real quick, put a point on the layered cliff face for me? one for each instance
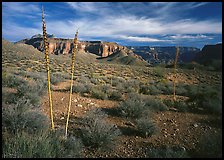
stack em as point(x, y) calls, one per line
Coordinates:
point(65, 46)
point(165, 54)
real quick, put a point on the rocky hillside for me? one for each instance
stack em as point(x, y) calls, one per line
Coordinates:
point(125, 56)
point(164, 54)
point(210, 55)
point(209, 52)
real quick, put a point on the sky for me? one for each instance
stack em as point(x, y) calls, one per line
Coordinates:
point(192, 24)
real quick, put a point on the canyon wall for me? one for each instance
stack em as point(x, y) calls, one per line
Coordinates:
point(65, 46)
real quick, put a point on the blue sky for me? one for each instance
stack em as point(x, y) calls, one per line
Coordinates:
point(127, 23)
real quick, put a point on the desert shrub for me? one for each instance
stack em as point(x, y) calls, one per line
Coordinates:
point(154, 104)
point(117, 80)
point(133, 107)
point(132, 85)
point(42, 145)
point(57, 77)
point(181, 89)
point(206, 97)
point(29, 91)
point(145, 127)
point(10, 98)
point(190, 66)
point(34, 75)
point(83, 79)
point(115, 95)
point(166, 88)
point(159, 72)
point(96, 93)
point(21, 116)
point(149, 90)
point(82, 88)
point(167, 152)
point(179, 105)
point(105, 88)
point(32, 92)
point(120, 88)
point(209, 146)
point(97, 133)
point(10, 80)
point(94, 81)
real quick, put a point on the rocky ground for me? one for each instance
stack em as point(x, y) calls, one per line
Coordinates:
point(175, 128)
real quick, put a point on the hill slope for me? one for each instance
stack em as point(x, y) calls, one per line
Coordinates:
point(126, 57)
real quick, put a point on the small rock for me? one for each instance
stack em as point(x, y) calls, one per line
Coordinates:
point(75, 100)
point(62, 98)
point(129, 124)
point(195, 125)
point(62, 118)
point(79, 105)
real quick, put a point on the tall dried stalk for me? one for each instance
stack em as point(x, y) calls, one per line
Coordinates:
point(175, 74)
point(48, 68)
point(73, 69)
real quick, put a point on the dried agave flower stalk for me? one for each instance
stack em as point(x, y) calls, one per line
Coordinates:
point(73, 69)
point(48, 68)
point(175, 74)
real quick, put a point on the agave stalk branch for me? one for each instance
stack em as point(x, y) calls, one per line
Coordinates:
point(175, 74)
point(47, 68)
point(72, 72)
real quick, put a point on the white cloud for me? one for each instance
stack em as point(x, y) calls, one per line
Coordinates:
point(143, 39)
point(111, 27)
point(14, 32)
point(198, 36)
point(83, 6)
point(19, 7)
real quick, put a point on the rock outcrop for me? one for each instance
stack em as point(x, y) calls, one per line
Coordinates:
point(65, 46)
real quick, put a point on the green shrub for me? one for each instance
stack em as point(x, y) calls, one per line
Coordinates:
point(149, 90)
point(57, 77)
point(167, 152)
point(179, 105)
point(159, 72)
point(154, 104)
point(42, 145)
point(132, 85)
point(97, 133)
point(132, 108)
point(32, 92)
point(206, 97)
point(83, 79)
point(117, 80)
point(181, 90)
point(81, 88)
point(209, 146)
point(166, 88)
point(10, 80)
point(145, 127)
point(96, 93)
point(115, 95)
point(21, 116)
point(105, 88)
point(94, 81)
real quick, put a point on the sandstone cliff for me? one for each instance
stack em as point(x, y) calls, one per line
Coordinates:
point(65, 46)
